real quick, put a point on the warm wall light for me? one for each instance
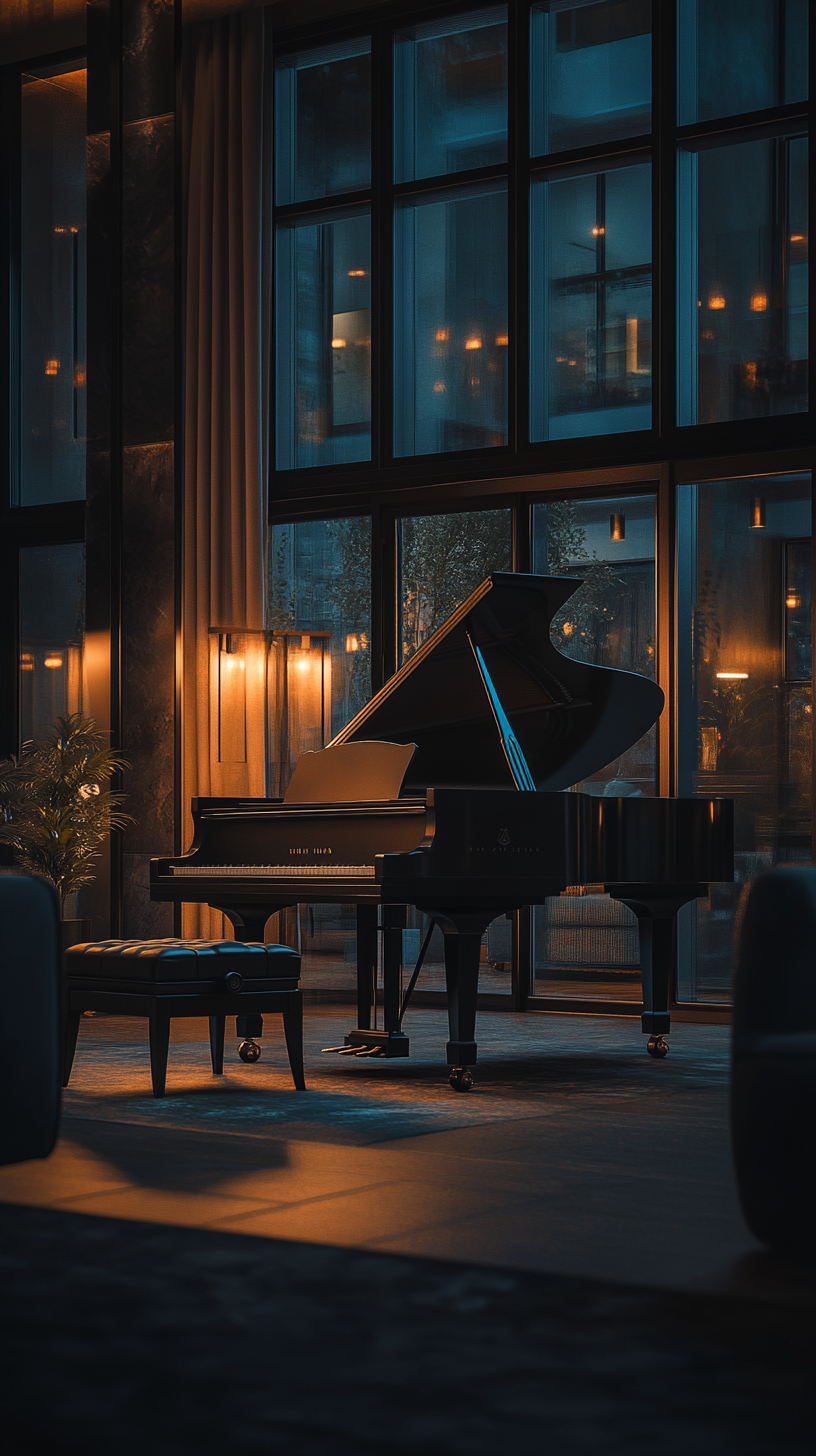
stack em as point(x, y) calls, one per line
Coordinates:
point(598, 232)
point(441, 335)
point(473, 343)
point(759, 301)
point(352, 642)
point(357, 272)
point(52, 366)
point(791, 601)
point(439, 387)
point(716, 299)
point(617, 526)
point(797, 237)
point(502, 340)
point(53, 660)
point(338, 343)
point(757, 513)
point(26, 662)
point(732, 676)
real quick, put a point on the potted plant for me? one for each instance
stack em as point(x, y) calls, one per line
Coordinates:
point(55, 810)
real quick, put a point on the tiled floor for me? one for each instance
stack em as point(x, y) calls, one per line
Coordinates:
point(575, 1153)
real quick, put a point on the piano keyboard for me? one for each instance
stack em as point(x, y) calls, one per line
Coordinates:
point(265, 872)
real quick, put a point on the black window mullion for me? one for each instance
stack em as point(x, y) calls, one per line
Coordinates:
point(382, 243)
point(518, 133)
point(664, 221)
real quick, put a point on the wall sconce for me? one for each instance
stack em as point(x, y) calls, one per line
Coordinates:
point(757, 513)
point(52, 660)
point(792, 601)
point(26, 662)
point(732, 676)
point(617, 526)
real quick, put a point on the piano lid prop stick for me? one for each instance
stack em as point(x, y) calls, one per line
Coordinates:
point(417, 968)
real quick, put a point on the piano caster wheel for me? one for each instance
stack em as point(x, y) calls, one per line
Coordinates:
point(461, 1079)
point(656, 1046)
point(249, 1051)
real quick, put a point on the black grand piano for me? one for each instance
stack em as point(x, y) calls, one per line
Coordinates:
point(447, 792)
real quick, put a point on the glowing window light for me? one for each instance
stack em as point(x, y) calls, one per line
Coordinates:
point(732, 676)
point(502, 340)
point(567, 629)
point(759, 302)
point(439, 387)
point(26, 662)
point(617, 527)
point(357, 273)
point(338, 343)
point(716, 300)
point(52, 366)
point(473, 343)
point(757, 517)
point(792, 601)
point(797, 237)
point(598, 232)
point(53, 660)
point(441, 335)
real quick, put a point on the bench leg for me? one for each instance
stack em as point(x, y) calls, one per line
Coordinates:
point(71, 1033)
point(217, 1033)
point(159, 1047)
point(293, 1031)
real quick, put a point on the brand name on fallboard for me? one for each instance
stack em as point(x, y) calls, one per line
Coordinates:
point(318, 850)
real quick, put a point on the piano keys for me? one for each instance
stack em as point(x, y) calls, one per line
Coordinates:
point(447, 793)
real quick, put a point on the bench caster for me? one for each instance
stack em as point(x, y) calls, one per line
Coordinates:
point(657, 1046)
point(461, 1079)
point(249, 1051)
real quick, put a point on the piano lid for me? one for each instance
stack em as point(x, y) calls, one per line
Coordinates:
point(490, 681)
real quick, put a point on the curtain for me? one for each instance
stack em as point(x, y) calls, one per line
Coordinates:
point(226, 166)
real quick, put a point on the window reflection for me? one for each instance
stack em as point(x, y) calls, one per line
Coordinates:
point(740, 55)
point(744, 689)
point(323, 326)
point(323, 121)
point(743, 280)
point(52, 616)
point(450, 95)
point(450, 321)
point(591, 331)
point(52, 289)
point(442, 559)
point(590, 73)
point(584, 944)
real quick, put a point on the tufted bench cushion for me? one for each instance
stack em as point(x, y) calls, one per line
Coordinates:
point(181, 960)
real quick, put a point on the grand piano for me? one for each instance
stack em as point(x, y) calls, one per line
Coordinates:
point(449, 792)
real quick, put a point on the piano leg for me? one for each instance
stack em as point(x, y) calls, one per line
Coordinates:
point(159, 1035)
point(657, 919)
point(463, 943)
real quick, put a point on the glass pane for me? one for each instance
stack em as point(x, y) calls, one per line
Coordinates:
point(323, 326)
point(450, 321)
point(584, 944)
point(590, 73)
point(319, 594)
point(52, 290)
point(320, 613)
point(743, 261)
point(740, 55)
point(442, 559)
point(450, 95)
point(744, 692)
point(52, 617)
point(495, 961)
point(315, 156)
point(591, 304)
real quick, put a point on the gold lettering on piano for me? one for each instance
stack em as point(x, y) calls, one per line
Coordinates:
point(319, 850)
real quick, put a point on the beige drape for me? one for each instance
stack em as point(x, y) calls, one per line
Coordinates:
point(225, 207)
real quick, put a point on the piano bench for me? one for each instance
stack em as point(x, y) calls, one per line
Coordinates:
point(161, 979)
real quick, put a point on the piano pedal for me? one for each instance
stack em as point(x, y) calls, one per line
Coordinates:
point(347, 1051)
point(334, 1049)
point(376, 1051)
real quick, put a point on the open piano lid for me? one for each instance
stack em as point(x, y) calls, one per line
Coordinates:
point(493, 662)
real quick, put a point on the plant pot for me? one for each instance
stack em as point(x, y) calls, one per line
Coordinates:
point(75, 932)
